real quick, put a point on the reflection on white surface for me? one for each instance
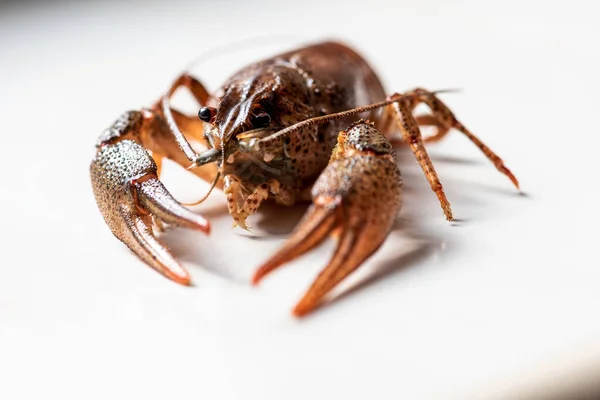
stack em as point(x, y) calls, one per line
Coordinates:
point(500, 305)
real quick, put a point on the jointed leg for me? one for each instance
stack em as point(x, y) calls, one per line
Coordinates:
point(430, 120)
point(162, 143)
point(446, 118)
point(173, 144)
point(195, 87)
point(412, 136)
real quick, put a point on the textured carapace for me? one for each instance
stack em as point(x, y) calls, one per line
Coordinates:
point(289, 88)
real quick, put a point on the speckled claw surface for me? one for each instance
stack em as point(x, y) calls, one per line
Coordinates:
point(356, 198)
point(130, 197)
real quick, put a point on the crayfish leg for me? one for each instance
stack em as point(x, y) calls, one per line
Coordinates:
point(444, 120)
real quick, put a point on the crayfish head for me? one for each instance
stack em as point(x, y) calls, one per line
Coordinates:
point(252, 106)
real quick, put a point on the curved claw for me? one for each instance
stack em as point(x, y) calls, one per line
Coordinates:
point(316, 224)
point(356, 198)
point(129, 195)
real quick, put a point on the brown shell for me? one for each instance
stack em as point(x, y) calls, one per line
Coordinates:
point(291, 87)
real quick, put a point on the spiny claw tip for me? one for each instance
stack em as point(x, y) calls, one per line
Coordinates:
point(205, 227)
point(302, 309)
point(185, 281)
point(266, 268)
point(178, 275)
point(257, 277)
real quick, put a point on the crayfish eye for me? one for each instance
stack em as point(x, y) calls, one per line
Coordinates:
point(261, 120)
point(207, 114)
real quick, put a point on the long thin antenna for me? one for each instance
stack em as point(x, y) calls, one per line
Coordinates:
point(212, 186)
point(343, 114)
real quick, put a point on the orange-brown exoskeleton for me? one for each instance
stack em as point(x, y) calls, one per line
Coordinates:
point(310, 124)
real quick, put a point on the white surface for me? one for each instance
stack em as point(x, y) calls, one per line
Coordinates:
point(501, 305)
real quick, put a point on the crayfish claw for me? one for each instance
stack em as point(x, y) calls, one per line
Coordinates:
point(154, 198)
point(352, 249)
point(316, 224)
point(137, 234)
point(355, 199)
point(130, 197)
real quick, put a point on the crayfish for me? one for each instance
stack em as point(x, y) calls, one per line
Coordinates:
point(309, 125)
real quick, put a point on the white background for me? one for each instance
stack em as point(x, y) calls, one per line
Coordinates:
point(500, 305)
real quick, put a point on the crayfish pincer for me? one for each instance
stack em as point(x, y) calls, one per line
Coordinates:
point(356, 197)
point(131, 198)
point(312, 124)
